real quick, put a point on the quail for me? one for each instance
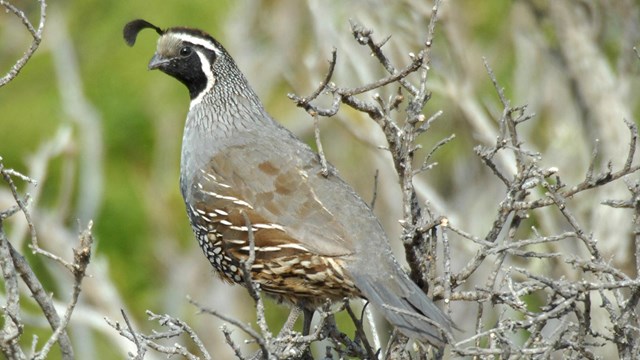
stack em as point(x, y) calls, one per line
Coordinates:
point(314, 239)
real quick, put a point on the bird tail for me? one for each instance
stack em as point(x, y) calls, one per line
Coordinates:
point(406, 307)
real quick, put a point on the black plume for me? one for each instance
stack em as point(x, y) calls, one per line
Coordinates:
point(131, 30)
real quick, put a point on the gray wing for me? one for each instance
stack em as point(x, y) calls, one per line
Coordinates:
point(287, 191)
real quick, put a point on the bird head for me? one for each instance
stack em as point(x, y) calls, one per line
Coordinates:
point(189, 55)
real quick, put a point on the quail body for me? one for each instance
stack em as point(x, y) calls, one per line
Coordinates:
point(314, 238)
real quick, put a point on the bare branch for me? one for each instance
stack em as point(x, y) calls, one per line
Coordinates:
point(82, 256)
point(36, 34)
point(12, 329)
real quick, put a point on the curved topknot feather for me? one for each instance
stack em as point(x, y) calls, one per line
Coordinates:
point(132, 28)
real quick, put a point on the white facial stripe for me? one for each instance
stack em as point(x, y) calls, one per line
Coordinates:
point(197, 41)
point(206, 69)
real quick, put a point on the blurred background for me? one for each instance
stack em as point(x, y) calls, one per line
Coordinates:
point(101, 134)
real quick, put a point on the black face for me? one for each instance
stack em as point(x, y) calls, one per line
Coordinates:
point(186, 67)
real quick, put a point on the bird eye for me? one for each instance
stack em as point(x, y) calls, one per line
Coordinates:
point(185, 51)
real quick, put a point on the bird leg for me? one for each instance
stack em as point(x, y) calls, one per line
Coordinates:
point(291, 321)
point(306, 323)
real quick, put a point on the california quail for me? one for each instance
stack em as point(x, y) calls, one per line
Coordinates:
point(315, 238)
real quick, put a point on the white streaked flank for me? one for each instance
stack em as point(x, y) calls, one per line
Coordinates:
point(242, 203)
point(269, 226)
point(240, 228)
point(269, 248)
point(211, 178)
point(235, 241)
point(222, 197)
point(294, 246)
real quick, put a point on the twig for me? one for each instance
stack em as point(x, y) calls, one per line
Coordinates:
point(304, 102)
point(43, 299)
point(425, 164)
point(323, 159)
point(447, 263)
point(346, 95)
point(36, 34)
point(591, 180)
point(506, 104)
point(363, 36)
point(22, 268)
point(140, 349)
point(12, 328)
point(242, 326)
point(183, 327)
point(633, 141)
point(176, 327)
point(231, 343)
point(372, 204)
point(82, 256)
point(254, 289)
point(360, 331)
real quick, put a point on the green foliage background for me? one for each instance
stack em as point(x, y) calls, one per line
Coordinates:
point(140, 226)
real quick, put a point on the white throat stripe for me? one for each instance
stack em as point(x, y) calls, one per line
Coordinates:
point(206, 69)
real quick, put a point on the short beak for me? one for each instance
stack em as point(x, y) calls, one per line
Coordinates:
point(156, 62)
